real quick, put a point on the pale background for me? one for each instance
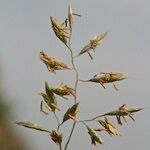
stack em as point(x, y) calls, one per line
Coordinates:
point(25, 30)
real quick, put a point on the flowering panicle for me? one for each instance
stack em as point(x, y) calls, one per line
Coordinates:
point(52, 63)
point(94, 42)
point(63, 31)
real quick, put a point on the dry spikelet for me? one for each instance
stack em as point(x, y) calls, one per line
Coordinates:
point(59, 30)
point(107, 77)
point(117, 112)
point(110, 128)
point(123, 111)
point(71, 15)
point(95, 138)
point(104, 78)
point(56, 136)
point(64, 90)
point(94, 42)
point(49, 98)
point(52, 63)
point(31, 125)
point(71, 113)
point(51, 103)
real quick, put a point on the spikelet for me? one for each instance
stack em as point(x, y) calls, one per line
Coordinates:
point(60, 31)
point(95, 138)
point(71, 113)
point(122, 112)
point(64, 90)
point(49, 98)
point(109, 127)
point(71, 15)
point(94, 42)
point(56, 136)
point(105, 77)
point(52, 63)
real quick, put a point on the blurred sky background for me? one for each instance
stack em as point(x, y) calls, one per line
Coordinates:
point(25, 30)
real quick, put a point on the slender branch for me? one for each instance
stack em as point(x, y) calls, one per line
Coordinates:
point(60, 146)
point(73, 127)
point(89, 120)
point(59, 126)
point(76, 72)
point(57, 119)
point(76, 84)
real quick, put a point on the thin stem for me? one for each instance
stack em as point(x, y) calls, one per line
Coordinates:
point(73, 127)
point(57, 119)
point(59, 126)
point(76, 72)
point(60, 146)
point(76, 84)
point(89, 120)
